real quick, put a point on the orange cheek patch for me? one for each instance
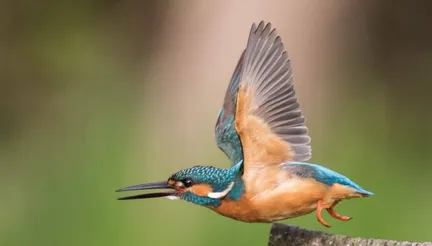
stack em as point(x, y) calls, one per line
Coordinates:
point(201, 189)
point(171, 182)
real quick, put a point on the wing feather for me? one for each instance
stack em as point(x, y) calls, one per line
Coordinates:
point(261, 118)
point(267, 73)
point(227, 138)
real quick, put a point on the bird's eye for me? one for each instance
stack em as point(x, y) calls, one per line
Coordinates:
point(187, 182)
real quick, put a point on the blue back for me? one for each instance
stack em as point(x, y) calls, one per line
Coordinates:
point(323, 175)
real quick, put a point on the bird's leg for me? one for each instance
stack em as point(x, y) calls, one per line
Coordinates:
point(335, 215)
point(320, 207)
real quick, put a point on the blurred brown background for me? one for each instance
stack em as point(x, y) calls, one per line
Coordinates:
point(98, 95)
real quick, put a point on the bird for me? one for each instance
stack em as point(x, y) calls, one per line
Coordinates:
point(262, 131)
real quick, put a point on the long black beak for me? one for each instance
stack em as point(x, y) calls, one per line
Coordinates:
point(156, 185)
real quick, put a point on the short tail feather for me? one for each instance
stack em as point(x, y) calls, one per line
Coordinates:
point(364, 193)
point(325, 175)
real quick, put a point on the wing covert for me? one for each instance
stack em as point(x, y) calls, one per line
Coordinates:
point(227, 138)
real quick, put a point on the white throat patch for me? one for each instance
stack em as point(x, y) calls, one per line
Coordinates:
point(221, 194)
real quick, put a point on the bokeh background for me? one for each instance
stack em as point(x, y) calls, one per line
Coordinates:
point(98, 95)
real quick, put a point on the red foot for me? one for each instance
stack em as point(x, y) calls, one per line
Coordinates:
point(318, 213)
point(335, 215)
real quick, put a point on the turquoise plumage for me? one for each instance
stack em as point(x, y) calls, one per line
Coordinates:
point(323, 175)
point(262, 131)
point(227, 138)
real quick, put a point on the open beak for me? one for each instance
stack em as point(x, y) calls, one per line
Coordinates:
point(156, 185)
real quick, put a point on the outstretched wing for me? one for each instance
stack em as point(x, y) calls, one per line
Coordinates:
point(261, 121)
point(227, 138)
point(268, 118)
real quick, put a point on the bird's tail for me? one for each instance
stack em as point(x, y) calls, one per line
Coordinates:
point(364, 193)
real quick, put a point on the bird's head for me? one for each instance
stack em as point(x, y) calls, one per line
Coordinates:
point(202, 185)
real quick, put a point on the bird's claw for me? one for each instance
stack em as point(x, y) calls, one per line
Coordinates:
point(320, 207)
point(331, 211)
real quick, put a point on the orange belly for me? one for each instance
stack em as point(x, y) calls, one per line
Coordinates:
point(289, 200)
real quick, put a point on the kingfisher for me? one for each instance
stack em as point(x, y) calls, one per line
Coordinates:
point(262, 130)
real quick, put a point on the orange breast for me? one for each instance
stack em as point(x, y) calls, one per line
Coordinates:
point(293, 198)
point(290, 199)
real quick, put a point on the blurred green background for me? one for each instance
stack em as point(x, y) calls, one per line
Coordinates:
point(98, 95)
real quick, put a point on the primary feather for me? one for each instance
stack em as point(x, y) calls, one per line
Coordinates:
point(265, 68)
